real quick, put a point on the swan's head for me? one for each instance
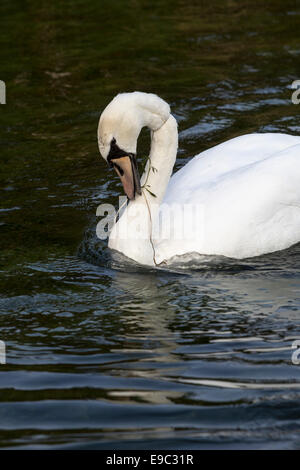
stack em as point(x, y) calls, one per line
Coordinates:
point(118, 130)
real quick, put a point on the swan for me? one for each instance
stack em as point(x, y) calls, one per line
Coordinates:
point(238, 199)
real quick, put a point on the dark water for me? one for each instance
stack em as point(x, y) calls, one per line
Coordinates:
point(101, 353)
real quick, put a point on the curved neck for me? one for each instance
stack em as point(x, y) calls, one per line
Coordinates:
point(161, 161)
point(131, 235)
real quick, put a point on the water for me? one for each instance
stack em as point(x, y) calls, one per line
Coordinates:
point(100, 352)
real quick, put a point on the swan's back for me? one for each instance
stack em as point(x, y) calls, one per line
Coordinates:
point(249, 190)
point(206, 168)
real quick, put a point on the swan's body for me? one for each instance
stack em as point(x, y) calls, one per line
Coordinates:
point(247, 189)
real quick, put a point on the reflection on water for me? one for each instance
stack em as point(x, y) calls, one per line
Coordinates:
point(132, 358)
point(103, 353)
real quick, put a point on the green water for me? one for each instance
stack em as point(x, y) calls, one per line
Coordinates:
point(101, 354)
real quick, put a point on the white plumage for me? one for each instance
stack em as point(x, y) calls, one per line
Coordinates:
point(247, 189)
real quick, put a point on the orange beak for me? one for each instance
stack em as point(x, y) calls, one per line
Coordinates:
point(126, 169)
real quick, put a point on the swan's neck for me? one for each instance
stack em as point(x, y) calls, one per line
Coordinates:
point(161, 161)
point(132, 234)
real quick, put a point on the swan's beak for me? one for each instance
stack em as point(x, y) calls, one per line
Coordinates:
point(126, 168)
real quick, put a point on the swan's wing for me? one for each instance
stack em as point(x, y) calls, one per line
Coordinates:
point(255, 209)
point(209, 166)
point(250, 206)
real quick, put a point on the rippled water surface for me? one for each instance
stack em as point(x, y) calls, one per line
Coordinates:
point(100, 352)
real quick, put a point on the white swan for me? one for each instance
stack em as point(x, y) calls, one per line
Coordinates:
point(247, 189)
